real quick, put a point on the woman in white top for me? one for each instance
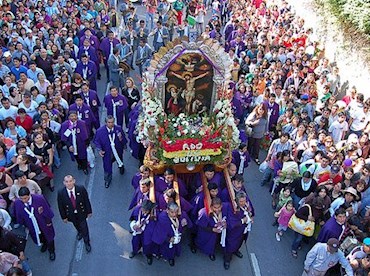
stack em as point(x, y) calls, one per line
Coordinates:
point(42, 83)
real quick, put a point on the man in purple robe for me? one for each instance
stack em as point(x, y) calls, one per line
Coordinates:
point(334, 227)
point(211, 176)
point(73, 133)
point(211, 227)
point(106, 46)
point(141, 193)
point(143, 173)
point(198, 200)
point(94, 41)
point(241, 158)
point(272, 111)
point(116, 105)
point(238, 45)
point(238, 186)
point(85, 114)
point(142, 223)
point(168, 231)
point(110, 141)
point(238, 226)
point(166, 181)
point(34, 212)
point(89, 51)
point(138, 149)
point(91, 98)
point(88, 70)
point(170, 195)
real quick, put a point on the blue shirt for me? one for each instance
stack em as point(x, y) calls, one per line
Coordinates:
point(18, 71)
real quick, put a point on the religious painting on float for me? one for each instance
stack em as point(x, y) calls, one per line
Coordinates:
point(190, 86)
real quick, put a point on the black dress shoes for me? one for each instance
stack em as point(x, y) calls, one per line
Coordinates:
point(226, 265)
point(132, 254)
point(212, 257)
point(122, 170)
point(85, 171)
point(44, 247)
point(107, 184)
point(238, 254)
point(52, 256)
point(79, 236)
point(149, 260)
point(171, 262)
point(88, 247)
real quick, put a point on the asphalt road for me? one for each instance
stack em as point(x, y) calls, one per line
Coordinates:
point(110, 239)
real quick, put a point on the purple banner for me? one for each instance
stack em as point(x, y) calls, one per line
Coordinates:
point(173, 59)
point(210, 61)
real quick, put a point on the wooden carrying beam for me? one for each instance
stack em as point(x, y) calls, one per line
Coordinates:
point(176, 187)
point(151, 189)
point(229, 186)
point(207, 196)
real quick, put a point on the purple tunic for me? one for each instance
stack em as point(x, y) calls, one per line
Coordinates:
point(102, 142)
point(163, 232)
point(138, 150)
point(161, 185)
point(331, 229)
point(206, 239)
point(109, 100)
point(81, 137)
point(274, 110)
point(91, 71)
point(236, 159)
point(135, 181)
point(162, 204)
point(90, 52)
point(235, 229)
point(92, 100)
point(94, 41)
point(85, 113)
point(217, 178)
point(43, 214)
point(138, 198)
point(105, 46)
point(144, 239)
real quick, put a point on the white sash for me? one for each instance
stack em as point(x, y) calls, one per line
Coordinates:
point(177, 235)
point(34, 223)
point(84, 72)
point(141, 222)
point(114, 150)
point(74, 141)
point(223, 229)
point(115, 104)
point(249, 221)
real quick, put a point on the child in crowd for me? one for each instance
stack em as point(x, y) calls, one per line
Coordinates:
point(284, 215)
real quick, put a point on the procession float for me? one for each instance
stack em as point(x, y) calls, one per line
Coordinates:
point(187, 120)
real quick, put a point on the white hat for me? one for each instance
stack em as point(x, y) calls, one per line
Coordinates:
point(7, 54)
point(69, 39)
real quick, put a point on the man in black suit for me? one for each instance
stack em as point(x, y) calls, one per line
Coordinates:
point(74, 206)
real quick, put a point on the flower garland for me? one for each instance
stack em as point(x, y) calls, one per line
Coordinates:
point(225, 119)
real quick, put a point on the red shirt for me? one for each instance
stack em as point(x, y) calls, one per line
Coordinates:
point(26, 124)
point(326, 177)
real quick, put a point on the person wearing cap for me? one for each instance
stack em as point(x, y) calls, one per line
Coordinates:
point(350, 197)
point(330, 179)
point(323, 256)
point(7, 59)
point(34, 212)
point(74, 206)
point(74, 134)
point(142, 224)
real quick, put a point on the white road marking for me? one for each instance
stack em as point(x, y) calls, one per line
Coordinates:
point(255, 266)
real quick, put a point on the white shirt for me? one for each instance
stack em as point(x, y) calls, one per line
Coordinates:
point(337, 129)
point(10, 112)
point(73, 192)
point(31, 110)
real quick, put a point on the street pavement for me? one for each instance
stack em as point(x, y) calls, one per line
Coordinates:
point(111, 241)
